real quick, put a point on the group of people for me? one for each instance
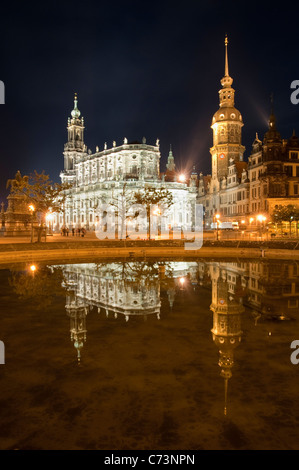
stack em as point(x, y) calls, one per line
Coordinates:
point(75, 231)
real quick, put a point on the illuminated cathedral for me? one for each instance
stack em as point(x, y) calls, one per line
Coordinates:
point(102, 176)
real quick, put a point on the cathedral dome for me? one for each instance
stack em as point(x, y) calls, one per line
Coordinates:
point(229, 113)
point(75, 112)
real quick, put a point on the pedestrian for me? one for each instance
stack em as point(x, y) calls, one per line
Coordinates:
point(67, 231)
point(79, 231)
point(73, 231)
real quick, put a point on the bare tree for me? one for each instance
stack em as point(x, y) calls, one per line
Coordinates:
point(39, 191)
point(151, 196)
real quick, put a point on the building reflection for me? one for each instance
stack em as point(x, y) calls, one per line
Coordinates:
point(119, 290)
point(268, 290)
point(256, 290)
point(226, 332)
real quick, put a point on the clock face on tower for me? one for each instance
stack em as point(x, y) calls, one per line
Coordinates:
point(221, 156)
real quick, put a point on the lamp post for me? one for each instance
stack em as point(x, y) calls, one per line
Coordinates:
point(250, 225)
point(32, 209)
point(157, 213)
point(49, 219)
point(291, 221)
point(261, 218)
point(217, 225)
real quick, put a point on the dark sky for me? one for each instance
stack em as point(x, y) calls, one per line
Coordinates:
point(140, 68)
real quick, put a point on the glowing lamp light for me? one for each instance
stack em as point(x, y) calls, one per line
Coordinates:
point(182, 281)
point(32, 268)
point(49, 216)
point(242, 221)
point(31, 207)
point(251, 220)
point(261, 218)
point(217, 216)
point(182, 178)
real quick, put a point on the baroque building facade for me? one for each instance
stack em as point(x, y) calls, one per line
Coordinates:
point(241, 191)
point(106, 175)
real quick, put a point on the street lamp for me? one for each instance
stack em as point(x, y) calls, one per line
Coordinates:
point(182, 178)
point(32, 209)
point(261, 218)
point(157, 212)
point(49, 219)
point(182, 282)
point(217, 224)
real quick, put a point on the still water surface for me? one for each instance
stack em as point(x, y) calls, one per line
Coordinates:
point(135, 355)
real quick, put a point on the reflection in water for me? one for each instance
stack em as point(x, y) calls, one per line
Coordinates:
point(226, 331)
point(41, 284)
point(267, 291)
point(126, 289)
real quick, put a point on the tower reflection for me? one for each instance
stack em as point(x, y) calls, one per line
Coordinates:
point(227, 309)
point(77, 310)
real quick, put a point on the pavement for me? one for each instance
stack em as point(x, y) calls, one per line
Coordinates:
point(56, 237)
point(209, 235)
point(89, 248)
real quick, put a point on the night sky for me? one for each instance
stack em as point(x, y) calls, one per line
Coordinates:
point(141, 68)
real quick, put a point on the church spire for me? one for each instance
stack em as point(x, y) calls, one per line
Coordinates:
point(74, 147)
point(227, 93)
point(226, 81)
point(226, 73)
point(170, 161)
point(272, 135)
point(272, 120)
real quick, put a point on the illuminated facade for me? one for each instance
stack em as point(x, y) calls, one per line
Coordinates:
point(225, 191)
point(239, 191)
point(273, 171)
point(100, 177)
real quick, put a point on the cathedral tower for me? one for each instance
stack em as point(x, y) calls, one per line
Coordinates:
point(74, 149)
point(226, 124)
point(170, 161)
